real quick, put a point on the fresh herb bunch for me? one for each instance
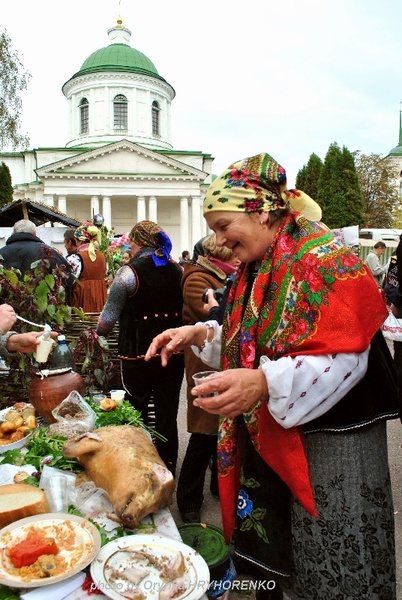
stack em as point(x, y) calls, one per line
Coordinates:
point(116, 533)
point(42, 449)
point(8, 594)
point(123, 414)
point(106, 536)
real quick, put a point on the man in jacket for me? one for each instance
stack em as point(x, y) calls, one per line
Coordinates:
point(373, 262)
point(23, 248)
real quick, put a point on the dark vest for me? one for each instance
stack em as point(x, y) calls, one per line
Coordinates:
point(155, 306)
point(391, 285)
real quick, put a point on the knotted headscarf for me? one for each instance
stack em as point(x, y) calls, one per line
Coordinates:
point(148, 234)
point(257, 184)
point(88, 232)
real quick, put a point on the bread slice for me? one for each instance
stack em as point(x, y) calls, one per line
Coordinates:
point(19, 500)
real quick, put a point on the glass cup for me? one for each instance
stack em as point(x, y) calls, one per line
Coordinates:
point(42, 351)
point(200, 377)
point(97, 398)
point(56, 490)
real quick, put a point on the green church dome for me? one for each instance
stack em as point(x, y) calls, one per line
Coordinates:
point(397, 151)
point(118, 57)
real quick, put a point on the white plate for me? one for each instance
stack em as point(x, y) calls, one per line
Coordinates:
point(85, 544)
point(116, 555)
point(13, 445)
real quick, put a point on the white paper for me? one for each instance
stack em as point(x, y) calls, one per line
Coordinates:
point(7, 472)
point(55, 591)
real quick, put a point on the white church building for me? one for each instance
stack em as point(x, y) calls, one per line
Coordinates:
point(119, 160)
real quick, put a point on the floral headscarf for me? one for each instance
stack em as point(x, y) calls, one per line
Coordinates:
point(148, 234)
point(257, 184)
point(88, 232)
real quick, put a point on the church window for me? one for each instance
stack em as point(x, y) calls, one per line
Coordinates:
point(84, 115)
point(120, 112)
point(155, 118)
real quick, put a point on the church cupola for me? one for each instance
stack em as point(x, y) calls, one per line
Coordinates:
point(118, 94)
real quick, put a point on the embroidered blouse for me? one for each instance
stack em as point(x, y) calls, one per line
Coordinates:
point(301, 388)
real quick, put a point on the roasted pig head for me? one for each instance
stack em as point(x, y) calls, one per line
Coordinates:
point(123, 461)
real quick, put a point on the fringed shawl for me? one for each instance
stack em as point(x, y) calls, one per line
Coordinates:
point(309, 296)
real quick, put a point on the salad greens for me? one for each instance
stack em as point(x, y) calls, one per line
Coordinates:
point(7, 593)
point(43, 448)
point(124, 413)
point(117, 532)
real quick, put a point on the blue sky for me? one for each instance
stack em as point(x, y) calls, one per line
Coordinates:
point(288, 79)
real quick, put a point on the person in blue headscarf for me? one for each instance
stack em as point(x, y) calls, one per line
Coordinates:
point(146, 298)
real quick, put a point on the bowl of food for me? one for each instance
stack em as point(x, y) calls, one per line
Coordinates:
point(17, 424)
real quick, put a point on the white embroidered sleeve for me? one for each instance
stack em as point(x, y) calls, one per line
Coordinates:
point(305, 387)
point(75, 262)
point(211, 352)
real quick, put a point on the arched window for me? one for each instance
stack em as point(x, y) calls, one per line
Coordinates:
point(84, 115)
point(120, 105)
point(155, 118)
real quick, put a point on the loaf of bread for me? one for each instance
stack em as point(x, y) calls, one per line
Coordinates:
point(19, 500)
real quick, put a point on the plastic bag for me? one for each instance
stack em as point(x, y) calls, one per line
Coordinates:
point(73, 416)
point(392, 328)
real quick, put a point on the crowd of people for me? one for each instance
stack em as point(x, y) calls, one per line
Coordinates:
point(293, 423)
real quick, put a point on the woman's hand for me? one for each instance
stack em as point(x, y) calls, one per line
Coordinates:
point(211, 301)
point(25, 342)
point(175, 340)
point(7, 317)
point(238, 390)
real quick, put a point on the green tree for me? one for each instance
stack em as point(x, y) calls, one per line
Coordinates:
point(301, 178)
point(313, 171)
point(378, 181)
point(6, 188)
point(339, 192)
point(13, 80)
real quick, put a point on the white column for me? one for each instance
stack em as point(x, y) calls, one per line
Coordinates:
point(95, 205)
point(184, 226)
point(153, 209)
point(196, 219)
point(141, 215)
point(48, 199)
point(107, 212)
point(204, 226)
point(61, 205)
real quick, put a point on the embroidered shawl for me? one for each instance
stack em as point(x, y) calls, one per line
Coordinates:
point(310, 296)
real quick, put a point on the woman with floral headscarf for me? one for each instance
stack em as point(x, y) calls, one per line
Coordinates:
point(89, 267)
point(305, 389)
point(145, 298)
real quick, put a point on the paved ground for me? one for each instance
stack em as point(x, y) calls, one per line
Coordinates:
point(211, 507)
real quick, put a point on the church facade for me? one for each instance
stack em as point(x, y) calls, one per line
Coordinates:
point(119, 160)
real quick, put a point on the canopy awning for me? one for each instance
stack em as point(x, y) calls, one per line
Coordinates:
point(37, 212)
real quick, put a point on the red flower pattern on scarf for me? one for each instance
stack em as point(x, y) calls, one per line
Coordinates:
point(307, 298)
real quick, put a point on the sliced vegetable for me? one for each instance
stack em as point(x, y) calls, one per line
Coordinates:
point(27, 551)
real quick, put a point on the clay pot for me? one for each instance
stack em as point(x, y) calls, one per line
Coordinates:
point(45, 393)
